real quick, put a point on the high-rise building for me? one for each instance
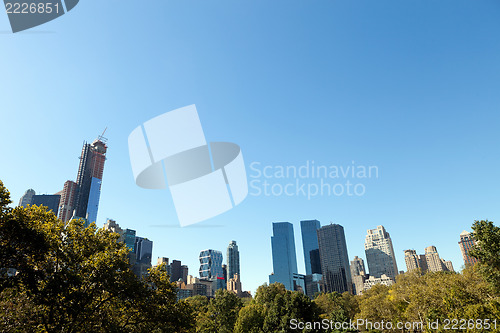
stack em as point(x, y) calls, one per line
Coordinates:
point(67, 202)
point(309, 241)
point(380, 253)
point(51, 201)
point(315, 261)
point(415, 261)
point(26, 198)
point(434, 262)
point(313, 284)
point(357, 266)
point(211, 268)
point(82, 200)
point(448, 265)
point(233, 260)
point(284, 256)
point(143, 250)
point(334, 259)
point(466, 243)
point(89, 179)
point(234, 284)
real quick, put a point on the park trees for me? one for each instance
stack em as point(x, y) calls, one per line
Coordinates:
point(72, 278)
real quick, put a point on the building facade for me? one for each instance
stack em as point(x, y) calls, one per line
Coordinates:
point(308, 230)
point(51, 201)
point(466, 243)
point(380, 253)
point(357, 266)
point(233, 260)
point(284, 256)
point(371, 281)
point(80, 199)
point(415, 261)
point(67, 203)
point(26, 198)
point(334, 259)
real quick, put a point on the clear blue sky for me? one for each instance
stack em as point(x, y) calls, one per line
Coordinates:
point(409, 86)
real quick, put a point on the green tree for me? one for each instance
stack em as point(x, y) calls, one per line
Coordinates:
point(78, 279)
point(222, 313)
point(487, 251)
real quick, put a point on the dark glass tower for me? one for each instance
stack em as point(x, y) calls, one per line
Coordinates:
point(89, 179)
point(284, 257)
point(309, 241)
point(233, 260)
point(334, 259)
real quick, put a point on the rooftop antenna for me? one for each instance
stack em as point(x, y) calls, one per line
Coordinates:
point(101, 137)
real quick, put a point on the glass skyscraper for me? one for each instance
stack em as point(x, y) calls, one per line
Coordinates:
point(309, 242)
point(211, 268)
point(51, 201)
point(334, 259)
point(81, 199)
point(284, 257)
point(233, 260)
point(211, 264)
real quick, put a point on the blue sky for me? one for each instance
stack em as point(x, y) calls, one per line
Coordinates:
point(409, 86)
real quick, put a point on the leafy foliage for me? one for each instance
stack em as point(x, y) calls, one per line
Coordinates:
point(72, 278)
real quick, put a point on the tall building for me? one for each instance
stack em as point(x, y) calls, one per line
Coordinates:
point(26, 198)
point(466, 243)
point(357, 266)
point(233, 260)
point(313, 284)
point(315, 261)
point(434, 262)
point(51, 201)
point(309, 241)
point(415, 261)
point(380, 253)
point(143, 250)
point(284, 256)
point(211, 268)
point(234, 284)
point(83, 200)
point(175, 269)
point(334, 259)
point(67, 202)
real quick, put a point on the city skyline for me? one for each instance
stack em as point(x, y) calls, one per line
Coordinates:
point(408, 87)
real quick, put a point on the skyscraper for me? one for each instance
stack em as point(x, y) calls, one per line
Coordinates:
point(26, 198)
point(334, 259)
point(143, 250)
point(434, 262)
point(89, 179)
point(284, 256)
point(380, 253)
point(211, 268)
point(51, 201)
point(67, 202)
point(82, 200)
point(233, 260)
point(466, 243)
point(357, 266)
point(309, 241)
point(415, 261)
